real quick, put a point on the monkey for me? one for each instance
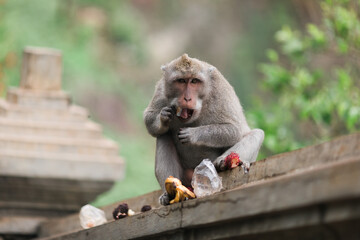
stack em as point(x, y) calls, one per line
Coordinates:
point(195, 114)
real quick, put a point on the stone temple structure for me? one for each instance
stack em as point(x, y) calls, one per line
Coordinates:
point(53, 159)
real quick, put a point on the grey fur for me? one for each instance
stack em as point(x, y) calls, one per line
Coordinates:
point(216, 130)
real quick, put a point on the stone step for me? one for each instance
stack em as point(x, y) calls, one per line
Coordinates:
point(38, 99)
point(67, 166)
point(59, 145)
point(73, 113)
point(87, 129)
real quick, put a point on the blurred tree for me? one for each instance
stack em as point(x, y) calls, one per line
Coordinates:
point(314, 79)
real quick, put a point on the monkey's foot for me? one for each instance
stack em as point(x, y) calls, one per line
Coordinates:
point(164, 199)
point(219, 164)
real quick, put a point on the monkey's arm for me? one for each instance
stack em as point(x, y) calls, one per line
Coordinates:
point(157, 115)
point(214, 135)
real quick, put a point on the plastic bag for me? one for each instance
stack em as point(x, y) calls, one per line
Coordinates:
point(91, 216)
point(205, 179)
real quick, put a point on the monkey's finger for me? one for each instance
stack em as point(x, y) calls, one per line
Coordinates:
point(184, 140)
point(167, 109)
point(173, 109)
point(222, 166)
point(166, 114)
point(183, 135)
point(183, 131)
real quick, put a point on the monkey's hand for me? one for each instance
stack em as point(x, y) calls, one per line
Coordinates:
point(187, 135)
point(219, 164)
point(164, 199)
point(166, 115)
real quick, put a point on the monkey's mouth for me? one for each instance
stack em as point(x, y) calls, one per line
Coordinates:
point(184, 113)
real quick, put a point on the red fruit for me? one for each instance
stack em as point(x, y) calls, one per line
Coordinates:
point(232, 160)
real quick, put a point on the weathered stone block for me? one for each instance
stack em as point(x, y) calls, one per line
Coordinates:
point(72, 114)
point(38, 98)
point(88, 129)
point(41, 69)
point(60, 146)
point(81, 167)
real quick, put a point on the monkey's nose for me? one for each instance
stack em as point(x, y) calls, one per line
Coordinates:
point(187, 99)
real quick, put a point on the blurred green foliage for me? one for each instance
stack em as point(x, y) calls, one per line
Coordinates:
point(249, 48)
point(314, 81)
point(57, 24)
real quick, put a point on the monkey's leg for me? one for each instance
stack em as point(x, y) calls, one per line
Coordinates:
point(167, 163)
point(247, 148)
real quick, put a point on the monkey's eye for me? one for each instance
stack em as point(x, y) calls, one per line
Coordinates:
point(181, 80)
point(195, 80)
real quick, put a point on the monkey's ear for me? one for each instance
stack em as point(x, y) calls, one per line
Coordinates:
point(212, 69)
point(212, 72)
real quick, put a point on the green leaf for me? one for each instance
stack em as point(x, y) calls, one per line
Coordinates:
point(276, 77)
point(344, 79)
point(317, 37)
point(292, 45)
point(272, 55)
point(353, 117)
point(344, 21)
point(342, 45)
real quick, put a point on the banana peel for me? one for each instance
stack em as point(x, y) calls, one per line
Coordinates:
point(177, 192)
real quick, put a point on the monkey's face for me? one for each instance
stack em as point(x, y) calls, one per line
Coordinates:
point(187, 100)
point(185, 86)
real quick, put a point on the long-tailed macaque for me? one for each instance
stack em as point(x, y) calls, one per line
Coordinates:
point(195, 114)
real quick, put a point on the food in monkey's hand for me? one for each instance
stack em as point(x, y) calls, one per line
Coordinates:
point(178, 111)
point(232, 160)
point(122, 211)
point(177, 192)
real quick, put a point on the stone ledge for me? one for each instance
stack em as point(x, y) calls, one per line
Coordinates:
point(283, 166)
point(71, 223)
point(328, 186)
point(305, 158)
